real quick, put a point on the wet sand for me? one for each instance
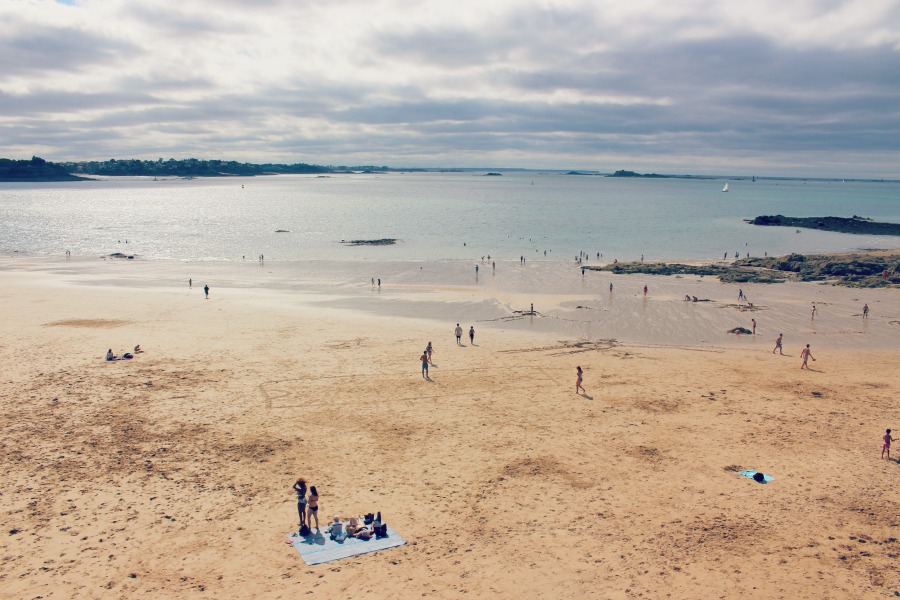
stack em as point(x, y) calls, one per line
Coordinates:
point(170, 474)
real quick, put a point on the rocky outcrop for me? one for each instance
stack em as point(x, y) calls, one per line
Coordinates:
point(854, 270)
point(854, 224)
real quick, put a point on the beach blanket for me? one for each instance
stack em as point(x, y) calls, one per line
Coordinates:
point(319, 548)
point(750, 473)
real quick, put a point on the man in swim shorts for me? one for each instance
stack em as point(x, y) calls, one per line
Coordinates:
point(458, 332)
point(806, 354)
point(778, 344)
point(424, 359)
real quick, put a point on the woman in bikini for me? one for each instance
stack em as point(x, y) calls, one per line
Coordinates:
point(300, 488)
point(578, 381)
point(313, 503)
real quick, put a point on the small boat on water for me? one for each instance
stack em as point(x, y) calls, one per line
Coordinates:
point(725, 189)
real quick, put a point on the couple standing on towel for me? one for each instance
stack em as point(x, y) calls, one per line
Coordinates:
point(307, 508)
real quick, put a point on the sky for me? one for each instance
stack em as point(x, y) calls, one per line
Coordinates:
point(806, 88)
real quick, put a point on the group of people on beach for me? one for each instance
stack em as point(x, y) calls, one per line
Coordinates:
point(308, 509)
point(110, 355)
point(458, 332)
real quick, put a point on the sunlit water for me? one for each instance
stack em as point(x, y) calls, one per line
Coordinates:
point(433, 215)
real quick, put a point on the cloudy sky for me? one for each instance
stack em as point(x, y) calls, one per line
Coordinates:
point(771, 87)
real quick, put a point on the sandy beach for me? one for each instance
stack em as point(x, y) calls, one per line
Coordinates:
point(170, 474)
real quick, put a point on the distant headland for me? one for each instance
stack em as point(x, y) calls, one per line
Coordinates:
point(36, 169)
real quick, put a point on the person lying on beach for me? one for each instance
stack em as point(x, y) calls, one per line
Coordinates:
point(740, 330)
point(110, 355)
point(358, 530)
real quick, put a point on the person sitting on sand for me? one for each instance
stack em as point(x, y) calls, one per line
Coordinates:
point(687, 298)
point(110, 355)
point(137, 349)
point(693, 298)
point(336, 530)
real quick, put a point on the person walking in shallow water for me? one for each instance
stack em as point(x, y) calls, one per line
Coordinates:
point(865, 311)
point(579, 378)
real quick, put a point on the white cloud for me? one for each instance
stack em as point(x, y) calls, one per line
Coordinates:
point(576, 84)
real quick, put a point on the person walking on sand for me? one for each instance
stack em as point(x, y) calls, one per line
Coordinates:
point(754, 325)
point(206, 291)
point(458, 332)
point(190, 283)
point(778, 342)
point(865, 311)
point(313, 507)
point(580, 377)
point(472, 335)
point(424, 359)
point(428, 350)
point(740, 294)
point(300, 489)
point(812, 314)
point(806, 354)
point(886, 447)
point(645, 290)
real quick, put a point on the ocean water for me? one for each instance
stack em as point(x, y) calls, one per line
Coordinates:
point(435, 216)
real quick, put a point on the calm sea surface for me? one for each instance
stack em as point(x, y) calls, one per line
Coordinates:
point(433, 215)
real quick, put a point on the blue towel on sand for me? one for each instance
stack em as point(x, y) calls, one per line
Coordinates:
point(317, 549)
point(750, 473)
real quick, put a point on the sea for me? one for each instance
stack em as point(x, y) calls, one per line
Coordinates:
point(434, 216)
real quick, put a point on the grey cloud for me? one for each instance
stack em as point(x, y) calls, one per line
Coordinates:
point(62, 49)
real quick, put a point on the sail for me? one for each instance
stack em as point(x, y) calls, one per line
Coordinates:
point(725, 189)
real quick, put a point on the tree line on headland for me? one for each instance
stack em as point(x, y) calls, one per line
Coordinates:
point(37, 169)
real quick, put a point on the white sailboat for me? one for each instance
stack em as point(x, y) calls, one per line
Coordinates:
point(725, 189)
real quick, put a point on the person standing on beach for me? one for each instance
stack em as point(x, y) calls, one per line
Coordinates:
point(206, 291)
point(645, 290)
point(458, 332)
point(754, 325)
point(300, 488)
point(886, 447)
point(313, 507)
point(865, 311)
point(740, 294)
point(806, 354)
point(579, 378)
point(610, 288)
point(812, 314)
point(190, 283)
point(472, 334)
point(424, 359)
point(778, 344)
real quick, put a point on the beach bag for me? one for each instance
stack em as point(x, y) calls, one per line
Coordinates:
point(759, 477)
point(304, 530)
point(381, 530)
point(368, 518)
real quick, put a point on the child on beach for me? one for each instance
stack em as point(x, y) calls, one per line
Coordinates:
point(806, 354)
point(886, 447)
point(578, 381)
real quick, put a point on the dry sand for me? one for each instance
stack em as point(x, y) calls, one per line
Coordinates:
point(169, 475)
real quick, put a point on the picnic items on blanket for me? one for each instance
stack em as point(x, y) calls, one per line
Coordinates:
point(756, 476)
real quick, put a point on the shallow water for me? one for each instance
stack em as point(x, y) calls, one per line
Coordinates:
point(456, 216)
